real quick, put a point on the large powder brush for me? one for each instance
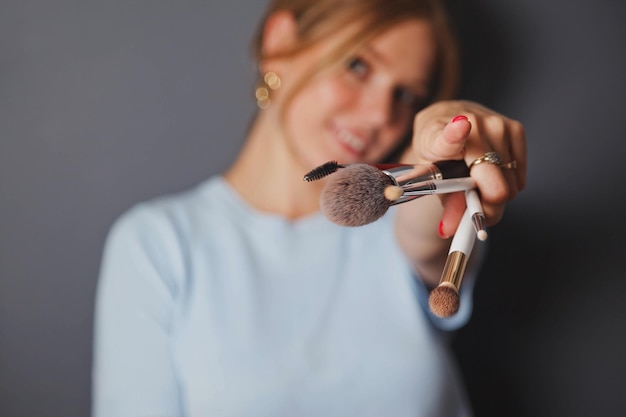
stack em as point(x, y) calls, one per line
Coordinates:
point(357, 195)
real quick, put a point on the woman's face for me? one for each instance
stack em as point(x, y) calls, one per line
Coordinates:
point(360, 113)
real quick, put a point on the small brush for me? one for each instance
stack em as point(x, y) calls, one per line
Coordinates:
point(478, 216)
point(444, 301)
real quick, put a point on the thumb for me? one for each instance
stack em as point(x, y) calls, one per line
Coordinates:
point(450, 141)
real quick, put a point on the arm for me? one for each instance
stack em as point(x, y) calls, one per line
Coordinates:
point(132, 373)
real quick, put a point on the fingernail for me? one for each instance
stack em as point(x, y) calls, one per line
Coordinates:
point(440, 231)
point(460, 117)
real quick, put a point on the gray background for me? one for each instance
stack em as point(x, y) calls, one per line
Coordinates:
point(103, 104)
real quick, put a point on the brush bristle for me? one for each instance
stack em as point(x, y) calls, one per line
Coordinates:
point(322, 171)
point(355, 196)
point(393, 192)
point(444, 301)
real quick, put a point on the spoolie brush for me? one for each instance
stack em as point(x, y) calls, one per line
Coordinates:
point(323, 171)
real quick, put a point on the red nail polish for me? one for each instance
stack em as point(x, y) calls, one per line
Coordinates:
point(461, 117)
point(440, 231)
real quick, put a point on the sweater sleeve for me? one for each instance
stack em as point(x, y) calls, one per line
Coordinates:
point(466, 293)
point(132, 373)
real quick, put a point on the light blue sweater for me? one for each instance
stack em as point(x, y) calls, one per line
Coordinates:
point(206, 307)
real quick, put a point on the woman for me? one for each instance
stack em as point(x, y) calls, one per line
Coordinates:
point(239, 298)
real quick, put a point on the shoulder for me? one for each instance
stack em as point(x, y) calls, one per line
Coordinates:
point(158, 231)
point(147, 246)
point(171, 214)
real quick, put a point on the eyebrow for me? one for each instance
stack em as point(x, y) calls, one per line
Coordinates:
point(419, 84)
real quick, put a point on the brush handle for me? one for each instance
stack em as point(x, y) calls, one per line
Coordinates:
point(453, 168)
point(452, 185)
point(465, 236)
point(403, 175)
point(445, 186)
point(459, 252)
point(476, 210)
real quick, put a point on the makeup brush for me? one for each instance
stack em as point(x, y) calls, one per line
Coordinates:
point(402, 174)
point(476, 209)
point(444, 300)
point(357, 195)
point(322, 171)
point(360, 193)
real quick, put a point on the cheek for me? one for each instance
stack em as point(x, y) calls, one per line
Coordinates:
point(314, 106)
point(388, 145)
point(396, 135)
point(325, 95)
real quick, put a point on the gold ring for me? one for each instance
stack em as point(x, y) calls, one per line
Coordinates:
point(509, 165)
point(489, 157)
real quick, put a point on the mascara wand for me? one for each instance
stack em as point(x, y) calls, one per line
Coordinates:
point(322, 171)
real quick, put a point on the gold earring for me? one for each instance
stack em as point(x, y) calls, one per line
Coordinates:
point(271, 81)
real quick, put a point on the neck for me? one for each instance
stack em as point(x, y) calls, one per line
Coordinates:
point(270, 178)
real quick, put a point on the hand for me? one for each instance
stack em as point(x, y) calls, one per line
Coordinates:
point(439, 135)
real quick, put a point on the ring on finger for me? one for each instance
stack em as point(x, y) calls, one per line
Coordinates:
point(509, 165)
point(489, 157)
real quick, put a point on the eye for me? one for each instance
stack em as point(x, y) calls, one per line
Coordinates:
point(358, 66)
point(407, 97)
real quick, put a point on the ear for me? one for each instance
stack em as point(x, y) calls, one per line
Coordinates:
point(279, 33)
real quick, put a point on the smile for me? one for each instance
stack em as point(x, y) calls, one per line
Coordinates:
point(353, 142)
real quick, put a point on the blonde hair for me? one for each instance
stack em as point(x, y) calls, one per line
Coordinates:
point(319, 19)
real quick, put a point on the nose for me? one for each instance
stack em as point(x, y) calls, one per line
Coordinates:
point(377, 105)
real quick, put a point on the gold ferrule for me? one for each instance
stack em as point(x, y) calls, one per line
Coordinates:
point(454, 269)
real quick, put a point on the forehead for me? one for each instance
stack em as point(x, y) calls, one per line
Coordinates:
point(408, 46)
point(406, 36)
point(405, 51)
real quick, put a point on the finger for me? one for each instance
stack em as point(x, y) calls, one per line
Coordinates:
point(511, 179)
point(494, 191)
point(511, 146)
point(513, 154)
point(453, 209)
point(495, 188)
point(518, 154)
point(508, 168)
point(448, 141)
point(451, 143)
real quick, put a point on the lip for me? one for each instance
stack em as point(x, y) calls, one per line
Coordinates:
point(353, 143)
